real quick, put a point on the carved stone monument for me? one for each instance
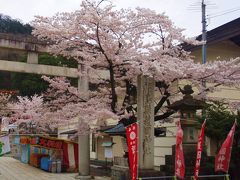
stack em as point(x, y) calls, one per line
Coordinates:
point(145, 117)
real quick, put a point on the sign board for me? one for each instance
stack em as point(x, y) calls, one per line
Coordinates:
point(108, 152)
point(4, 145)
point(4, 125)
point(50, 143)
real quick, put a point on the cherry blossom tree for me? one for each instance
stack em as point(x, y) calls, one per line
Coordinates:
point(4, 108)
point(66, 102)
point(127, 43)
point(44, 113)
point(4, 100)
point(28, 112)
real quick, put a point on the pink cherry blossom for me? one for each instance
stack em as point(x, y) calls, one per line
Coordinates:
point(124, 43)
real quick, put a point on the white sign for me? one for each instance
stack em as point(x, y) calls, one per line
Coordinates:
point(5, 123)
point(108, 152)
point(4, 145)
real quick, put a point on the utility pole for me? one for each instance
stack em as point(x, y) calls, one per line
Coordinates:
point(204, 46)
point(204, 33)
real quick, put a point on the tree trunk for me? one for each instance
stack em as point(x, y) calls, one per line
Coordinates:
point(113, 85)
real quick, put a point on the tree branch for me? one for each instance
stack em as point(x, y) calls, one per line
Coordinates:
point(164, 116)
point(161, 102)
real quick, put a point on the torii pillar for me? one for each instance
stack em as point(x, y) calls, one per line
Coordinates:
point(83, 140)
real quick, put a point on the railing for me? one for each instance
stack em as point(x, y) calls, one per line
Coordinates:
point(225, 177)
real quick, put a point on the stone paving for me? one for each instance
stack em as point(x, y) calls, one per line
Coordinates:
point(12, 169)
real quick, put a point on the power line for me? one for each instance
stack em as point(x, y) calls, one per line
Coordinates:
point(197, 6)
point(223, 13)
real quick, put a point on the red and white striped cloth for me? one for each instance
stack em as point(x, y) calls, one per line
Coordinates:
point(70, 156)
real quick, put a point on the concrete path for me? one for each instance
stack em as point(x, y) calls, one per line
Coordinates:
point(12, 169)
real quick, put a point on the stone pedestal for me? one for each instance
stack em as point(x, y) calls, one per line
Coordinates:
point(149, 173)
point(120, 172)
point(120, 169)
point(207, 163)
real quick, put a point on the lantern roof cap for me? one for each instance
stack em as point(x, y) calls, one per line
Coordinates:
point(188, 102)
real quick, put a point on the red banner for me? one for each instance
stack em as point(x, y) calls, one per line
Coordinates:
point(199, 151)
point(179, 157)
point(223, 157)
point(132, 141)
point(46, 142)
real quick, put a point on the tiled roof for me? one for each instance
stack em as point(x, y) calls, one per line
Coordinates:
point(229, 31)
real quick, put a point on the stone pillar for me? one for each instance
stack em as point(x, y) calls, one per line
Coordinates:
point(145, 116)
point(32, 58)
point(84, 157)
point(83, 140)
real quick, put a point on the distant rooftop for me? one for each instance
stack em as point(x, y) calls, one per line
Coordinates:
point(229, 31)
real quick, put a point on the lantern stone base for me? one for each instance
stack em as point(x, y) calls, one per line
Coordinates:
point(207, 162)
point(120, 172)
point(149, 173)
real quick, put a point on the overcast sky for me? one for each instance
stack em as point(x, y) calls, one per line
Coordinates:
point(221, 12)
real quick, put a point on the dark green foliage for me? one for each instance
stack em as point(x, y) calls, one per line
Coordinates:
point(9, 25)
point(219, 122)
point(46, 59)
point(28, 84)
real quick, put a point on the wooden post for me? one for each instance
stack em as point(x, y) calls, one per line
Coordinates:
point(145, 116)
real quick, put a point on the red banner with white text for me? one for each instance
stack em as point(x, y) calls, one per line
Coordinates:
point(223, 157)
point(179, 156)
point(199, 151)
point(132, 141)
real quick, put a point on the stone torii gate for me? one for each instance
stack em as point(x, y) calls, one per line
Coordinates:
point(33, 47)
point(145, 97)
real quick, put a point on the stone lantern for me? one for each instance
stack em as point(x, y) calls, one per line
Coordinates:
point(187, 108)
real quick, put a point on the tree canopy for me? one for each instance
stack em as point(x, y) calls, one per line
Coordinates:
point(125, 43)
